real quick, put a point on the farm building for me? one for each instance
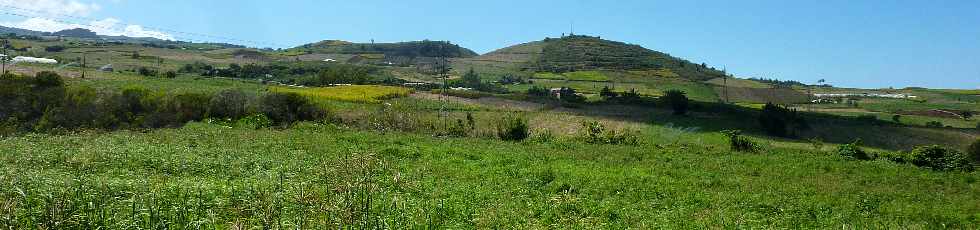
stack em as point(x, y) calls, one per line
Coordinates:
point(24, 59)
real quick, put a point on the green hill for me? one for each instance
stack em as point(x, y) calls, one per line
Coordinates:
point(582, 53)
point(411, 49)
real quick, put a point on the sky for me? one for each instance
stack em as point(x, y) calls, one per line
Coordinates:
point(867, 44)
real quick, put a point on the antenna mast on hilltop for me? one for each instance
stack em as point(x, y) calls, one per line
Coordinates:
point(571, 28)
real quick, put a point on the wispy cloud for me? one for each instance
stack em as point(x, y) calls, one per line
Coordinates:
point(61, 7)
point(50, 15)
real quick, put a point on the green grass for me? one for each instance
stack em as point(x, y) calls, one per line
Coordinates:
point(313, 175)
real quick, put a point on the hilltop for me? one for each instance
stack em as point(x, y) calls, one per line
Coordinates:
point(586, 53)
point(423, 48)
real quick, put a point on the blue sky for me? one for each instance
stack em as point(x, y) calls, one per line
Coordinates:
point(871, 44)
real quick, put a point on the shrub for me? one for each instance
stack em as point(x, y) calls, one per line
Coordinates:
point(973, 152)
point(459, 129)
point(677, 100)
point(188, 106)
point(286, 108)
point(940, 158)
point(146, 72)
point(897, 118)
point(739, 143)
point(537, 91)
point(853, 151)
point(512, 128)
point(47, 79)
point(170, 74)
point(781, 121)
point(934, 124)
point(568, 95)
point(607, 93)
point(54, 49)
point(255, 121)
point(230, 103)
point(596, 133)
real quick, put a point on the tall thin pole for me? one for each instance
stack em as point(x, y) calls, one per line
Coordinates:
point(3, 68)
point(83, 64)
point(725, 80)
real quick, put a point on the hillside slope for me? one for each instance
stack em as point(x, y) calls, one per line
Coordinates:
point(582, 53)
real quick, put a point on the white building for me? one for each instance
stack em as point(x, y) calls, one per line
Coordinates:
point(20, 59)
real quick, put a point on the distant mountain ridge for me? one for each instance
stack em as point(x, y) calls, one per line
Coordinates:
point(86, 34)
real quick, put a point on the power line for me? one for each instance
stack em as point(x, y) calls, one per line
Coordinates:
point(37, 14)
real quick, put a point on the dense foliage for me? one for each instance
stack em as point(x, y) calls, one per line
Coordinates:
point(44, 103)
point(513, 128)
point(940, 158)
point(781, 121)
point(676, 100)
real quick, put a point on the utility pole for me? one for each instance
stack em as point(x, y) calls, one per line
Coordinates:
point(725, 80)
point(3, 68)
point(83, 64)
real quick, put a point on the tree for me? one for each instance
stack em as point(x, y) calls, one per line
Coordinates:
point(677, 100)
point(781, 121)
point(471, 79)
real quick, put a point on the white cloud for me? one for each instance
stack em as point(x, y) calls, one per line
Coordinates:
point(108, 26)
point(43, 15)
point(59, 7)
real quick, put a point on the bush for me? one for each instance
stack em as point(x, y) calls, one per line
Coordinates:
point(46, 79)
point(781, 121)
point(853, 151)
point(677, 100)
point(607, 93)
point(973, 152)
point(512, 129)
point(255, 121)
point(286, 108)
point(230, 103)
point(170, 74)
point(596, 133)
point(538, 91)
point(934, 124)
point(146, 72)
point(739, 143)
point(897, 118)
point(54, 49)
point(568, 95)
point(940, 158)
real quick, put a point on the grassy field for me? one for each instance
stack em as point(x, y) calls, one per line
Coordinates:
point(351, 93)
point(310, 175)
